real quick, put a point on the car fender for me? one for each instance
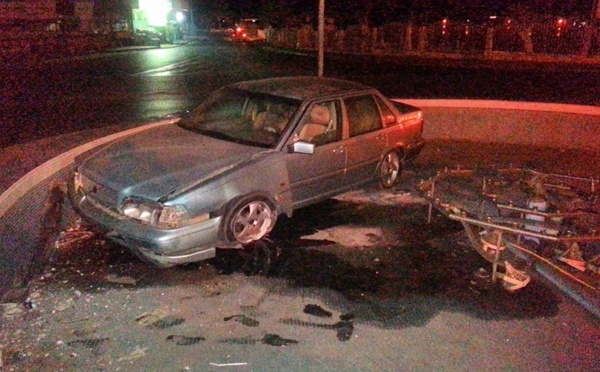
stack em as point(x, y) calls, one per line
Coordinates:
point(265, 174)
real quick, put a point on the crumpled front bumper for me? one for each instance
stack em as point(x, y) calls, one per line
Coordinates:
point(160, 247)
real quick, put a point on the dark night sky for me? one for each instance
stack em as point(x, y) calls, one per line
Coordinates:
point(346, 12)
point(557, 7)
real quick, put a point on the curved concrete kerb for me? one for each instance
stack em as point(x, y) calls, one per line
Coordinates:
point(553, 125)
point(52, 166)
point(504, 105)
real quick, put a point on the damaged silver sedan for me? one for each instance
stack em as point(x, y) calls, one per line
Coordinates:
point(220, 176)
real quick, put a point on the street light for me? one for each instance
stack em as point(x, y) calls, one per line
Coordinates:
point(179, 16)
point(156, 11)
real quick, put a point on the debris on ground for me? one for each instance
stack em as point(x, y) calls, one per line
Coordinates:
point(517, 217)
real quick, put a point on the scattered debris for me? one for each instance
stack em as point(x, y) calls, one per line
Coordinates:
point(267, 339)
point(349, 236)
point(344, 328)
point(276, 340)
point(185, 340)
point(137, 353)
point(11, 309)
point(317, 310)
point(228, 364)
point(391, 197)
point(113, 278)
point(158, 319)
point(513, 279)
point(248, 340)
point(245, 320)
point(63, 305)
point(96, 345)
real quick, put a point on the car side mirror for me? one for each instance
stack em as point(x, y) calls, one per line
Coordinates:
point(302, 147)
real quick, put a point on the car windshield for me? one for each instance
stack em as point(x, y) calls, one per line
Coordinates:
point(241, 116)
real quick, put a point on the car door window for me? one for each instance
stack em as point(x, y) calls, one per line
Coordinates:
point(363, 115)
point(321, 124)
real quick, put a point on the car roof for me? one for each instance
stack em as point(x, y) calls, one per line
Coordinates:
point(301, 87)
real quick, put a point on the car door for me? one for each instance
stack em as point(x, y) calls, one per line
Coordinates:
point(321, 174)
point(366, 138)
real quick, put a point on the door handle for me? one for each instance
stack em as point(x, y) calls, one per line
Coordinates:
point(380, 137)
point(339, 150)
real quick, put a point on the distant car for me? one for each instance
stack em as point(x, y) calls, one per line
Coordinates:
point(148, 37)
point(249, 30)
point(220, 176)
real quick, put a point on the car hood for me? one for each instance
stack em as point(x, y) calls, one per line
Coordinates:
point(159, 161)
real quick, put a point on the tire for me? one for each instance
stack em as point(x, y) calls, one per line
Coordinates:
point(390, 169)
point(249, 219)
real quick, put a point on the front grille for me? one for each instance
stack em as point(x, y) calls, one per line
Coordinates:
point(99, 193)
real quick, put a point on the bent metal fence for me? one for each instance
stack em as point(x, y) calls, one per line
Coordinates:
point(550, 38)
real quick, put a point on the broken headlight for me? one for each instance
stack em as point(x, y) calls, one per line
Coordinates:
point(162, 216)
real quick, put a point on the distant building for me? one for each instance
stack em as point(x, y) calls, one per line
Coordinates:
point(27, 14)
point(56, 15)
point(170, 17)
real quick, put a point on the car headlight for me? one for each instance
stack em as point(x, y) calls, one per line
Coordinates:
point(162, 216)
point(173, 217)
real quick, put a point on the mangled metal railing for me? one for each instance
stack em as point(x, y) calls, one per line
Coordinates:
point(514, 217)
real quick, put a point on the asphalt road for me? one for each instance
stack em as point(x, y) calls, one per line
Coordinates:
point(65, 96)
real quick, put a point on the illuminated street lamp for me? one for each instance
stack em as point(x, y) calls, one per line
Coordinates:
point(179, 17)
point(156, 11)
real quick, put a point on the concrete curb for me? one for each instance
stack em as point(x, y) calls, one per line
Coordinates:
point(504, 105)
point(549, 125)
point(55, 165)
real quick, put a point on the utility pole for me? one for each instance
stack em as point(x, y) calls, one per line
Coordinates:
point(321, 32)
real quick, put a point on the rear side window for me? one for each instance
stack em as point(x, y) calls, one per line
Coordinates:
point(363, 114)
point(388, 116)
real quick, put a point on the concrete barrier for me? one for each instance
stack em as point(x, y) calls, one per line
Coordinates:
point(22, 210)
point(524, 123)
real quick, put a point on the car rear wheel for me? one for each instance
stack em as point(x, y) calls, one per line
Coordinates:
point(390, 169)
point(250, 219)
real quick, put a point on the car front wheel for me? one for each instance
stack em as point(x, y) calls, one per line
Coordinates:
point(390, 169)
point(250, 219)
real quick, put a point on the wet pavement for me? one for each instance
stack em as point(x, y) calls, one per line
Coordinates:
point(360, 282)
